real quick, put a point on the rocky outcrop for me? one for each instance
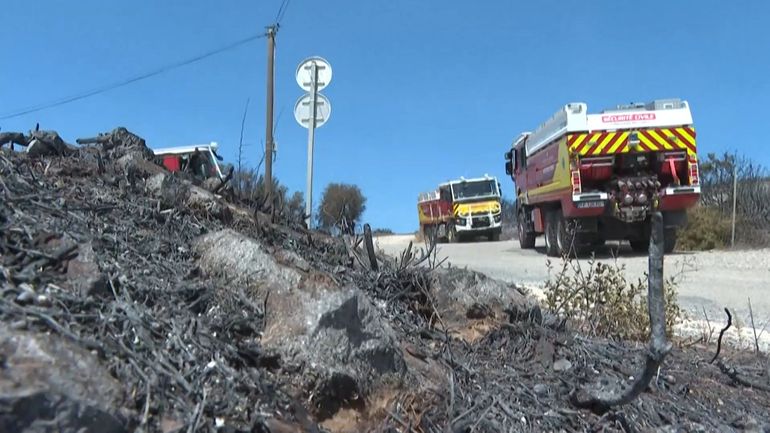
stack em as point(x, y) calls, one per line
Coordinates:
point(462, 294)
point(84, 275)
point(337, 335)
point(48, 384)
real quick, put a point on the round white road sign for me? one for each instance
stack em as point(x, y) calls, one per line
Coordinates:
point(302, 110)
point(304, 78)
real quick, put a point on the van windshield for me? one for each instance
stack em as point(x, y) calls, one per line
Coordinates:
point(475, 189)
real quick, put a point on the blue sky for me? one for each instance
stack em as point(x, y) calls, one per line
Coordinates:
point(422, 91)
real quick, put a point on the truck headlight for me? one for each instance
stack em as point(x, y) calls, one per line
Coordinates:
point(460, 221)
point(498, 217)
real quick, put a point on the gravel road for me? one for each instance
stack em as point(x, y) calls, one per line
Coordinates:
point(710, 280)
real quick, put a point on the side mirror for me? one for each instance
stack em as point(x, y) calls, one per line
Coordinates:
point(508, 167)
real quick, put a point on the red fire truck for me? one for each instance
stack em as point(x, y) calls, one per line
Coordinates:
point(462, 208)
point(582, 179)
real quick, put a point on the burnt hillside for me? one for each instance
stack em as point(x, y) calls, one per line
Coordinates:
point(132, 300)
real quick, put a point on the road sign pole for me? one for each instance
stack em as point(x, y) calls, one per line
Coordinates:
point(310, 143)
point(313, 75)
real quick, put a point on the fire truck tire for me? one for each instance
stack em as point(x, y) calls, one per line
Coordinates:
point(428, 233)
point(438, 232)
point(566, 241)
point(526, 238)
point(451, 235)
point(598, 243)
point(669, 241)
point(640, 246)
point(551, 233)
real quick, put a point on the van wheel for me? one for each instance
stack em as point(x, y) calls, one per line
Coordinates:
point(551, 235)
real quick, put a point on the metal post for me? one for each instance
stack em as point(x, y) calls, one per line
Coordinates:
point(269, 118)
point(735, 195)
point(310, 143)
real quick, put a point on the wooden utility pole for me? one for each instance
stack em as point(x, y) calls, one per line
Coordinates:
point(735, 196)
point(269, 118)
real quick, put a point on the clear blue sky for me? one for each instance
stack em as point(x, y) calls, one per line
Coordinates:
point(423, 91)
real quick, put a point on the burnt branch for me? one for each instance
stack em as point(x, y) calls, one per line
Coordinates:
point(729, 371)
point(13, 138)
point(721, 334)
point(658, 348)
point(738, 378)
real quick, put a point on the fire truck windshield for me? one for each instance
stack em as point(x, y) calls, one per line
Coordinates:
point(474, 189)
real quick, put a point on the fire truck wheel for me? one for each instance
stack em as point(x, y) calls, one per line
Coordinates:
point(428, 233)
point(451, 235)
point(669, 241)
point(566, 240)
point(639, 246)
point(526, 239)
point(551, 232)
point(439, 233)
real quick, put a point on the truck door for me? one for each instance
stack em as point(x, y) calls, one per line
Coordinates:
point(531, 177)
point(522, 174)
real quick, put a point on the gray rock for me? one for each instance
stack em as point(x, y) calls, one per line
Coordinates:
point(459, 292)
point(173, 191)
point(562, 365)
point(357, 348)
point(243, 261)
point(134, 163)
point(540, 389)
point(48, 384)
point(84, 275)
point(338, 335)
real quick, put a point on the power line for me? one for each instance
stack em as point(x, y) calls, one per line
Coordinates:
point(282, 11)
point(125, 82)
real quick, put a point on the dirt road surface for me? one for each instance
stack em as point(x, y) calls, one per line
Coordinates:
point(707, 280)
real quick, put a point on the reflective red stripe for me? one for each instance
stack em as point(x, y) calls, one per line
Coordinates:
point(683, 140)
point(576, 187)
point(693, 165)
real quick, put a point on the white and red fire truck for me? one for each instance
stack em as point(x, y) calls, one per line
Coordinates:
point(582, 178)
point(461, 208)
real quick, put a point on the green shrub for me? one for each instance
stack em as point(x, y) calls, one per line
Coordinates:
point(706, 229)
point(602, 302)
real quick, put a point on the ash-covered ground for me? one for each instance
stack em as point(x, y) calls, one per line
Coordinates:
point(133, 300)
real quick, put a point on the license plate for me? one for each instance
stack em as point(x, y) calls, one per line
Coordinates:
point(589, 204)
